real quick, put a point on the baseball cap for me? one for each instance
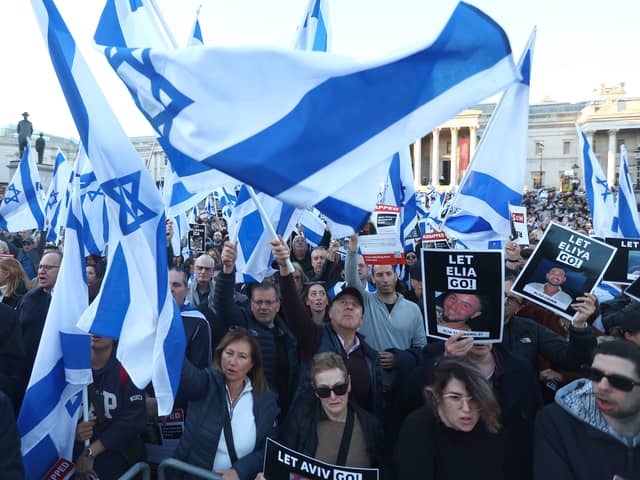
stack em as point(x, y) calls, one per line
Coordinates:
point(353, 291)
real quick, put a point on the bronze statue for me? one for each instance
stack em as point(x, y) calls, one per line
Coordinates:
point(25, 130)
point(40, 143)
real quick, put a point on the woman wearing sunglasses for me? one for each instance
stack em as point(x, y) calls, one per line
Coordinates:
point(231, 411)
point(327, 426)
point(458, 434)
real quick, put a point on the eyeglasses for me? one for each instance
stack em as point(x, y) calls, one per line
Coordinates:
point(512, 300)
point(458, 400)
point(323, 391)
point(46, 268)
point(248, 331)
point(266, 303)
point(619, 382)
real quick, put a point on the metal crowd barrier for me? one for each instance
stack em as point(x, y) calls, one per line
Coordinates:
point(185, 467)
point(138, 468)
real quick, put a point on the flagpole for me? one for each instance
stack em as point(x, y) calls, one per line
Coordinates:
point(85, 410)
point(163, 23)
point(266, 221)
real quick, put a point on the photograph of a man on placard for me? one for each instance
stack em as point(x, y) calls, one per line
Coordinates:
point(551, 290)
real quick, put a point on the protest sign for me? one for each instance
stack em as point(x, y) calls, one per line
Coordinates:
point(437, 239)
point(463, 291)
point(383, 247)
point(162, 437)
point(197, 236)
point(625, 266)
point(282, 462)
point(519, 231)
point(565, 265)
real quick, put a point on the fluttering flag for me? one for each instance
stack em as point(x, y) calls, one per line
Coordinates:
point(312, 226)
point(628, 220)
point(49, 414)
point(495, 178)
point(313, 32)
point(209, 208)
point(136, 24)
point(297, 131)
point(134, 304)
point(254, 250)
point(56, 202)
point(400, 191)
point(21, 208)
point(93, 205)
point(599, 195)
point(432, 221)
point(195, 39)
point(226, 200)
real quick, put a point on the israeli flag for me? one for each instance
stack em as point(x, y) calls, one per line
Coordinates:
point(336, 113)
point(313, 32)
point(92, 203)
point(599, 195)
point(49, 413)
point(21, 208)
point(55, 208)
point(432, 221)
point(195, 40)
point(312, 226)
point(227, 200)
point(400, 191)
point(134, 304)
point(180, 229)
point(628, 220)
point(495, 178)
point(208, 207)
point(132, 25)
point(254, 250)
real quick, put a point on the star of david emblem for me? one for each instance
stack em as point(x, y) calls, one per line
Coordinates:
point(605, 188)
point(53, 199)
point(14, 194)
point(125, 191)
point(92, 194)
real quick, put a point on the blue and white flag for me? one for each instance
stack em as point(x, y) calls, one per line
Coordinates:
point(209, 208)
point(628, 220)
point(599, 195)
point(400, 191)
point(49, 413)
point(496, 175)
point(310, 126)
point(192, 215)
point(226, 200)
point(195, 39)
point(313, 32)
point(432, 221)
point(134, 304)
point(21, 208)
point(132, 25)
point(92, 203)
point(56, 206)
point(313, 226)
point(254, 249)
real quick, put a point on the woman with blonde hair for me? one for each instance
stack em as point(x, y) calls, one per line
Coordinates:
point(13, 282)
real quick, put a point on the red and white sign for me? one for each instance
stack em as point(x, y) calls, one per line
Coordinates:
point(383, 247)
point(62, 470)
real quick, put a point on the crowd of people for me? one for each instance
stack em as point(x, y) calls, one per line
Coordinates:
point(332, 360)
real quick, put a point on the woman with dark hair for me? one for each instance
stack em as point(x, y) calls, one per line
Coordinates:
point(13, 282)
point(231, 411)
point(458, 434)
point(316, 300)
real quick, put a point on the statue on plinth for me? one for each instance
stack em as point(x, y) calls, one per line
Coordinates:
point(25, 130)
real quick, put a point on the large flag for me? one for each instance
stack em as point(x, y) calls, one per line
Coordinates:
point(135, 24)
point(400, 191)
point(254, 250)
point(628, 220)
point(21, 208)
point(312, 226)
point(496, 175)
point(313, 32)
point(134, 304)
point(56, 206)
point(49, 413)
point(311, 124)
point(599, 195)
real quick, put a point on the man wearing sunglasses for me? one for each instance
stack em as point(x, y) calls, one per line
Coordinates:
point(593, 429)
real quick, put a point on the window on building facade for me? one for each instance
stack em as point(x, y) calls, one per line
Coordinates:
point(566, 147)
point(537, 179)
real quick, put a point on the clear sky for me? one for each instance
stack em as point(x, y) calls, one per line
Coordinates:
point(580, 44)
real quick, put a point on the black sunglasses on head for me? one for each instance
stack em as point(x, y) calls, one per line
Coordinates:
point(619, 382)
point(325, 392)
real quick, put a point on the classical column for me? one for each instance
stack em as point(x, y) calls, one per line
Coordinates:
point(611, 157)
point(591, 138)
point(417, 163)
point(435, 157)
point(454, 156)
point(473, 140)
